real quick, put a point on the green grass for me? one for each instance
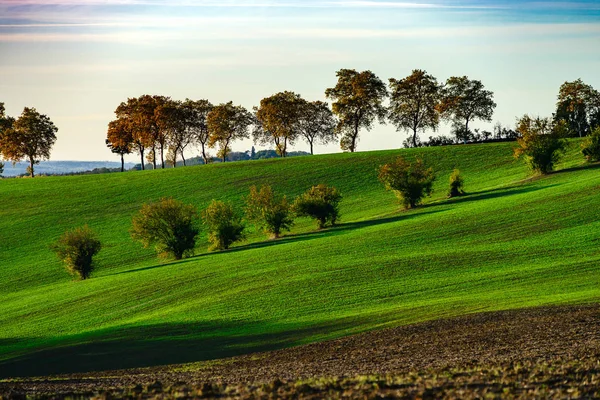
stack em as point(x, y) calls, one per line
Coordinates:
point(512, 242)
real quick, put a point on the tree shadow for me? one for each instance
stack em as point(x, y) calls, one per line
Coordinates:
point(595, 165)
point(160, 344)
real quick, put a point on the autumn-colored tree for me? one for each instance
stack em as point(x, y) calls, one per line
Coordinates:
point(413, 103)
point(224, 224)
point(410, 182)
point(31, 138)
point(541, 142)
point(579, 106)
point(6, 123)
point(278, 119)
point(227, 123)
point(128, 115)
point(320, 202)
point(271, 212)
point(171, 120)
point(357, 101)
point(119, 139)
point(169, 225)
point(77, 248)
point(591, 147)
point(464, 100)
point(195, 113)
point(317, 123)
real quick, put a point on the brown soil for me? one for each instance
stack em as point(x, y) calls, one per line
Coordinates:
point(540, 352)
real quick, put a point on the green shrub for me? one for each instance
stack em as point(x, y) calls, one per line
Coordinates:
point(541, 142)
point(169, 225)
point(77, 249)
point(409, 182)
point(273, 213)
point(456, 184)
point(591, 147)
point(320, 202)
point(224, 225)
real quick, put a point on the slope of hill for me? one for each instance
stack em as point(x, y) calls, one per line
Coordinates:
point(512, 242)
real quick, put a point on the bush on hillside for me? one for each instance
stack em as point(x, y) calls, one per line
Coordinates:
point(542, 142)
point(410, 182)
point(320, 202)
point(169, 225)
point(456, 184)
point(77, 248)
point(273, 213)
point(591, 147)
point(225, 226)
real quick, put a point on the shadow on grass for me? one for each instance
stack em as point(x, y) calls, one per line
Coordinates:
point(328, 232)
point(594, 165)
point(161, 344)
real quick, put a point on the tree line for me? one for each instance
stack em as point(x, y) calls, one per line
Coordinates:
point(160, 129)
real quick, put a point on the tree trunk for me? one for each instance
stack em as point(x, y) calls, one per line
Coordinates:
point(311, 147)
point(31, 167)
point(466, 132)
point(122, 163)
point(154, 157)
point(183, 158)
point(142, 157)
point(162, 158)
point(204, 155)
point(353, 145)
point(414, 137)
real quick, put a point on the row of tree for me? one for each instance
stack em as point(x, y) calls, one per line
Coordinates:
point(160, 125)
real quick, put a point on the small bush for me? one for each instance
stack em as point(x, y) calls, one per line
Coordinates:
point(224, 225)
point(77, 249)
point(273, 213)
point(320, 202)
point(591, 147)
point(456, 184)
point(410, 182)
point(169, 225)
point(541, 142)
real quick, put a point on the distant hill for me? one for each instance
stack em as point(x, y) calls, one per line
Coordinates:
point(60, 167)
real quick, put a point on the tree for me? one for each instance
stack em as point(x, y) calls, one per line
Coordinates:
point(227, 123)
point(196, 113)
point(320, 202)
point(135, 122)
point(464, 100)
point(273, 213)
point(357, 101)
point(278, 118)
point(169, 225)
point(541, 142)
point(317, 123)
point(171, 121)
point(579, 106)
point(77, 248)
point(224, 225)
point(591, 147)
point(31, 137)
point(6, 124)
point(119, 139)
point(410, 182)
point(413, 103)
point(456, 184)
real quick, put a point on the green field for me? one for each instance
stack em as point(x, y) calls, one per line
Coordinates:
point(513, 242)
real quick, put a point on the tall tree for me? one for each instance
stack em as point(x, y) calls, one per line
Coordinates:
point(465, 100)
point(171, 121)
point(127, 113)
point(579, 106)
point(6, 123)
point(227, 123)
point(31, 137)
point(119, 139)
point(357, 101)
point(413, 103)
point(317, 123)
point(278, 119)
point(195, 113)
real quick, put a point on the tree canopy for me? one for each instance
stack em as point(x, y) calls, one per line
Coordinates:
point(464, 100)
point(317, 123)
point(31, 138)
point(413, 102)
point(227, 123)
point(277, 120)
point(578, 105)
point(541, 142)
point(357, 101)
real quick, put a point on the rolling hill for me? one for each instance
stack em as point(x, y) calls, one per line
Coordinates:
point(514, 241)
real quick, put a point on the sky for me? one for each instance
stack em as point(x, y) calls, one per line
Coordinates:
point(75, 61)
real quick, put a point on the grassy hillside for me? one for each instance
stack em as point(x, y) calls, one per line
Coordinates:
point(513, 242)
